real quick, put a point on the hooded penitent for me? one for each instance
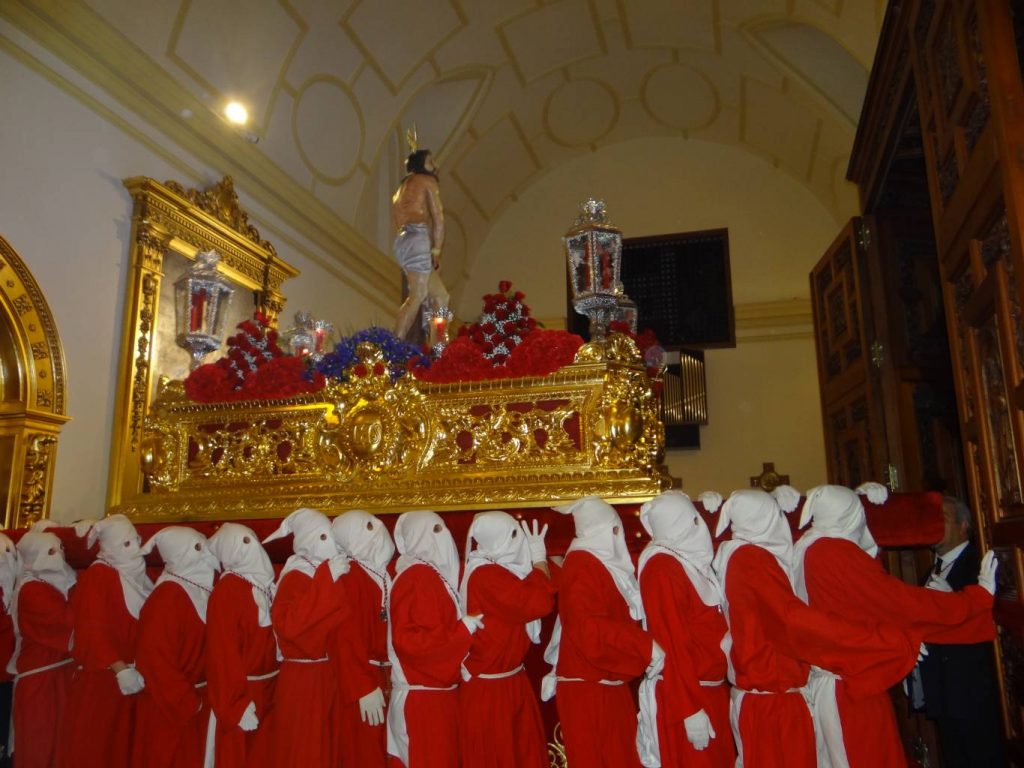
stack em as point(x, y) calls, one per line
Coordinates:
point(239, 551)
point(188, 562)
point(677, 529)
point(313, 542)
point(499, 541)
point(836, 512)
point(121, 549)
point(9, 564)
point(40, 558)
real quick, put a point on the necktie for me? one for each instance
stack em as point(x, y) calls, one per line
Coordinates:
point(938, 566)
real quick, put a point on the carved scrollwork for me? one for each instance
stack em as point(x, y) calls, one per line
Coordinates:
point(35, 478)
point(221, 202)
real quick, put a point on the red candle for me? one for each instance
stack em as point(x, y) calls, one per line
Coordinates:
point(198, 304)
point(319, 334)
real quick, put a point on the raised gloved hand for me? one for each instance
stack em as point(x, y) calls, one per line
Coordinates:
point(698, 729)
point(535, 540)
point(371, 707)
point(249, 721)
point(339, 565)
point(876, 492)
point(987, 572)
point(657, 660)
point(787, 497)
point(130, 681)
point(939, 584)
point(710, 500)
point(473, 623)
point(922, 652)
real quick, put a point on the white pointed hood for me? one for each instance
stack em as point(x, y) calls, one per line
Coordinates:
point(756, 517)
point(240, 552)
point(312, 542)
point(121, 549)
point(188, 562)
point(677, 529)
point(596, 522)
point(422, 537)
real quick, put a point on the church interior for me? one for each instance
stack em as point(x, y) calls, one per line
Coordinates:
point(863, 157)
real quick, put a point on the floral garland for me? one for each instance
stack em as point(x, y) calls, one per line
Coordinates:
point(400, 355)
point(504, 324)
point(254, 368)
point(504, 342)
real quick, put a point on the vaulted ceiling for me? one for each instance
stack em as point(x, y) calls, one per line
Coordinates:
point(501, 91)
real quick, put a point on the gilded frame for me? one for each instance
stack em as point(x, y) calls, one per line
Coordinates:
point(170, 217)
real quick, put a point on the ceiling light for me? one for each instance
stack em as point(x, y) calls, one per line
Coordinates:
point(236, 113)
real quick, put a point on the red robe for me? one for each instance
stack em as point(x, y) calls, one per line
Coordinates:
point(691, 633)
point(237, 649)
point(101, 720)
point(6, 678)
point(430, 642)
point(775, 637)
point(600, 641)
point(173, 711)
point(45, 621)
point(844, 579)
point(500, 724)
point(360, 640)
point(305, 614)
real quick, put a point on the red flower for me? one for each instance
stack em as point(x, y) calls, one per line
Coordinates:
point(519, 296)
point(378, 369)
point(488, 328)
point(501, 314)
point(504, 285)
point(359, 369)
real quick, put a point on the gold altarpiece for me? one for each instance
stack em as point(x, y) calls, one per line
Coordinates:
point(590, 428)
point(33, 393)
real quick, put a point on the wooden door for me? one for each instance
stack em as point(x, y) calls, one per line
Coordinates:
point(855, 439)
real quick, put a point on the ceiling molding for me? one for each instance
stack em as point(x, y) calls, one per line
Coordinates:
point(87, 43)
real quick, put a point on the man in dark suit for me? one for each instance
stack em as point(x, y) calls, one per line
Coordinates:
point(959, 681)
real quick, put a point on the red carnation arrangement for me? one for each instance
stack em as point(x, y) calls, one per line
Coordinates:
point(254, 368)
point(504, 342)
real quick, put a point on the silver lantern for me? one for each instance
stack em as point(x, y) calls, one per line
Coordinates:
point(310, 337)
point(593, 248)
point(201, 300)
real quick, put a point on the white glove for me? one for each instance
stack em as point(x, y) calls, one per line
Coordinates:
point(710, 500)
point(787, 497)
point(473, 623)
point(922, 652)
point(876, 492)
point(657, 661)
point(939, 584)
point(371, 707)
point(130, 681)
point(698, 729)
point(339, 565)
point(987, 572)
point(535, 540)
point(249, 721)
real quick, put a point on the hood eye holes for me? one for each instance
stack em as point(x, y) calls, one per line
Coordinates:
point(515, 533)
point(438, 527)
point(51, 551)
point(615, 530)
point(127, 544)
point(198, 547)
point(245, 539)
point(323, 537)
point(369, 525)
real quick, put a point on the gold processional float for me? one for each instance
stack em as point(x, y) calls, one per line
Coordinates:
point(369, 441)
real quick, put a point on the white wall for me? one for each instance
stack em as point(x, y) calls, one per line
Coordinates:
point(64, 210)
point(763, 395)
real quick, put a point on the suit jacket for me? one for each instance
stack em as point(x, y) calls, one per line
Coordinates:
point(960, 680)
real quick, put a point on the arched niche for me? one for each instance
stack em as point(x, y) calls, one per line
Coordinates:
point(33, 397)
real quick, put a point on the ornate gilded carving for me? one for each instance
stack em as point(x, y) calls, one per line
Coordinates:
point(221, 202)
point(556, 749)
point(371, 442)
point(1002, 448)
point(35, 478)
point(1012, 660)
point(171, 218)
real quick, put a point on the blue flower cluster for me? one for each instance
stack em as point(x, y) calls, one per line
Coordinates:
point(397, 353)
